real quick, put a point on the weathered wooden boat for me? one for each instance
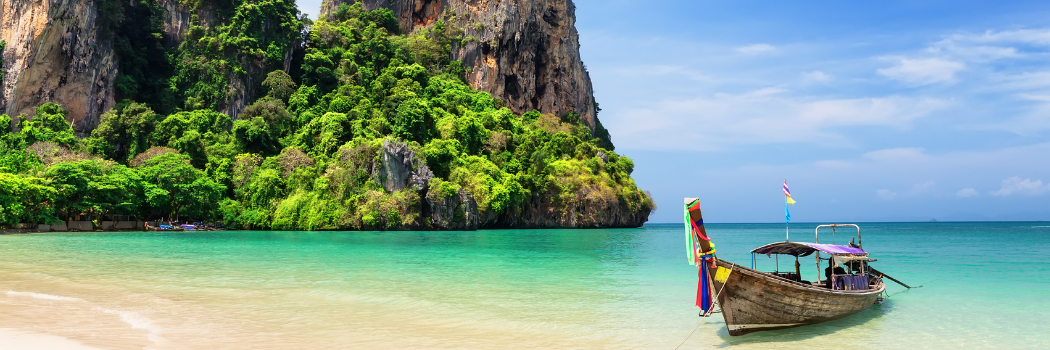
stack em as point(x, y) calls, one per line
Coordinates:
point(752, 300)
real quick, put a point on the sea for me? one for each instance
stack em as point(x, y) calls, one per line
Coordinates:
point(983, 285)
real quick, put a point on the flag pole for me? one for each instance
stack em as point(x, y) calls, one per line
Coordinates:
point(787, 212)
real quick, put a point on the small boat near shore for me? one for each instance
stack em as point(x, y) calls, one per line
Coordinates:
point(752, 300)
point(759, 301)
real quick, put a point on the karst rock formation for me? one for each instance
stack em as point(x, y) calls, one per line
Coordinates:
point(526, 52)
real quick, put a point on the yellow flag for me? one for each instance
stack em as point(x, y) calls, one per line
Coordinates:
point(787, 193)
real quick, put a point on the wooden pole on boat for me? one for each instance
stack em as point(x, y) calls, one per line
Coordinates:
point(877, 272)
point(698, 218)
point(703, 247)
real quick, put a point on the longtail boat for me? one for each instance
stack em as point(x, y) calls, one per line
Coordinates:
point(751, 300)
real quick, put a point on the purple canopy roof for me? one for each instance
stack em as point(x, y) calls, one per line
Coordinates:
point(805, 248)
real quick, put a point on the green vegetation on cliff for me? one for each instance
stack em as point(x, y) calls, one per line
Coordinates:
point(2, 45)
point(332, 101)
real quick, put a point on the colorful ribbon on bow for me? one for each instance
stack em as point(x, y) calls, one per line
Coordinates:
point(703, 287)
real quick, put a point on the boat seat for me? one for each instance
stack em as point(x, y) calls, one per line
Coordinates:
point(851, 282)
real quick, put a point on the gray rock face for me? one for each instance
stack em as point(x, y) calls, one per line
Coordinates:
point(55, 53)
point(398, 168)
point(456, 212)
point(177, 20)
point(524, 52)
point(590, 211)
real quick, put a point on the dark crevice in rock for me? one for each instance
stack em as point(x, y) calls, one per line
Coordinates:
point(512, 86)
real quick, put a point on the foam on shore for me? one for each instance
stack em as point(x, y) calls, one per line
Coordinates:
point(41, 296)
point(133, 319)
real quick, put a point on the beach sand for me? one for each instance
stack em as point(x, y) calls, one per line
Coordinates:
point(17, 339)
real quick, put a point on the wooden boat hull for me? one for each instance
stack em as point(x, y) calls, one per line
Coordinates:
point(754, 301)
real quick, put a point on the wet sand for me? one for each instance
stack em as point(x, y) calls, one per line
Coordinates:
point(17, 339)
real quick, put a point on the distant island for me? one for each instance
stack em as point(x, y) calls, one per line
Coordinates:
point(247, 115)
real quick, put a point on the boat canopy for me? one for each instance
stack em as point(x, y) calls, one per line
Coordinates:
point(805, 249)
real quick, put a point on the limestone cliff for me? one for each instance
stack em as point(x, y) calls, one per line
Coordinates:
point(60, 51)
point(55, 53)
point(525, 52)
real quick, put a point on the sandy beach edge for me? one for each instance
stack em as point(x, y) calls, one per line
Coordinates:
point(18, 339)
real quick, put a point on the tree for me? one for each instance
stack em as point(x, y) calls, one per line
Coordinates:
point(25, 199)
point(273, 112)
point(96, 187)
point(255, 135)
point(49, 124)
point(280, 84)
point(123, 132)
point(263, 190)
point(191, 133)
point(324, 135)
point(171, 184)
point(411, 121)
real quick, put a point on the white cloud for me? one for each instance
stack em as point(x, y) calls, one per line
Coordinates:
point(764, 116)
point(967, 192)
point(921, 188)
point(885, 194)
point(756, 49)
point(990, 45)
point(923, 71)
point(816, 76)
point(662, 70)
point(1027, 187)
point(1037, 37)
point(972, 53)
point(916, 189)
point(897, 155)
point(1038, 80)
point(1001, 67)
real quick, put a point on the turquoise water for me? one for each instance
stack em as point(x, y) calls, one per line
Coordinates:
point(986, 285)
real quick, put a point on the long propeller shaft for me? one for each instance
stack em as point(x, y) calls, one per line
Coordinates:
point(877, 272)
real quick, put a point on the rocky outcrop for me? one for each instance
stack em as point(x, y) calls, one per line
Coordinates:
point(56, 53)
point(457, 211)
point(460, 212)
point(397, 168)
point(544, 211)
point(177, 20)
point(524, 52)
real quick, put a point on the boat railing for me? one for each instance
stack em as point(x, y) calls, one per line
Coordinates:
point(816, 239)
point(816, 232)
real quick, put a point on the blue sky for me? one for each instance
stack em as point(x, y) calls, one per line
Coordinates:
point(872, 111)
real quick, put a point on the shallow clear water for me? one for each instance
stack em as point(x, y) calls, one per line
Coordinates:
point(986, 286)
